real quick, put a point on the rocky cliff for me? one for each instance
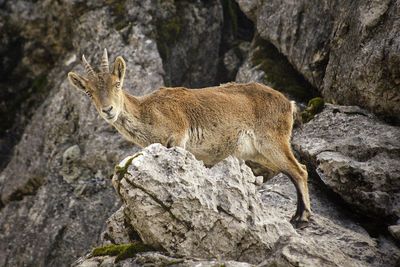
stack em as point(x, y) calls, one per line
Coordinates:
point(57, 155)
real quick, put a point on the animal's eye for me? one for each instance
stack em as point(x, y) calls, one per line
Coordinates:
point(117, 84)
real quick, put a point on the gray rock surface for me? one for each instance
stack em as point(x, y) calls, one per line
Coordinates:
point(188, 38)
point(154, 259)
point(349, 50)
point(55, 191)
point(395, 231)
point(178, 205)
point(355, 155)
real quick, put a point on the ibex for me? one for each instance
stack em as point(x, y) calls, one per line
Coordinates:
point(250, 121)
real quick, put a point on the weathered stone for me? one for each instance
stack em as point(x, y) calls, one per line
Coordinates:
point(188, 38)
point(70, 169)
point(179, 225)
point(395, 231)
point(351, 55)
point(357, 156)
point(178, 205)
point(118, 230)
point(154, 259)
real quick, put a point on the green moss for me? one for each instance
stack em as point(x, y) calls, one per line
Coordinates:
point(315, 106)
point(279, 73)
point(122, 251)
point(122, 170)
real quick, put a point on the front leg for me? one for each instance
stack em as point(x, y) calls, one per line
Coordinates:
point(176, 140)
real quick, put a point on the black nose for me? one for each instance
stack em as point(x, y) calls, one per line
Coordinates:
point(107, 110)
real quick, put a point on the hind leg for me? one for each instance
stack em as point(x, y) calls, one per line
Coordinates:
point(299, 176)
point(283, 160)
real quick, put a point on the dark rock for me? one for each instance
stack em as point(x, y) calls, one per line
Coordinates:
point(266, 65)
point(188, 37)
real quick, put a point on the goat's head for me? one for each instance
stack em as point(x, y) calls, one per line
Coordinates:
point(104, 87)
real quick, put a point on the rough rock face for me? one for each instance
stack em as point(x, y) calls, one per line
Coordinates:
point(195, 211)
point(351, 55)
point(264, 64)
point(55, 191)
point(154, 259)
point(188, 38)
point(177, 205)
point(357, 156)
point(30, 43)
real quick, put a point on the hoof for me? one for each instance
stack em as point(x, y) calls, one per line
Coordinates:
point(300, 221)
point(300, 224)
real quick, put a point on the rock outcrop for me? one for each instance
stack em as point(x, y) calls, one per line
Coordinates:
point(179, 206)
point(349, 50)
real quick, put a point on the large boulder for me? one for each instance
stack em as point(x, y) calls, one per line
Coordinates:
point(179, 206)
point(349, 50)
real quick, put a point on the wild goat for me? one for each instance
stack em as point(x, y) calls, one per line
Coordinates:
point(250, 121)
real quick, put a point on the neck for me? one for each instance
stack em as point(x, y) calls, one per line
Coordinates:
point(128, 122)
point(131, 105)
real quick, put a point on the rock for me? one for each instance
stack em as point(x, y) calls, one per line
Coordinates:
point(264, 64)
point(351, 56)
point(178, 205)
point(118, 230)
point(70, 170)
point(188, 38)
point(178, 225)
point(231, 61)
point(154, 259)
point(395, 231)
point(355, 155)
point(330, 224)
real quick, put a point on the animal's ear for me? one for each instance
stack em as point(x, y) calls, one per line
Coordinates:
point(119, 68)
point(77, 81)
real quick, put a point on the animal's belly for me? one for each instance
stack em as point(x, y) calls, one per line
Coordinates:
point(215, 148)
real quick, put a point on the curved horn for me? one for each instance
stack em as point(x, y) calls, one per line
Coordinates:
point(88, 68)
point(104, 62)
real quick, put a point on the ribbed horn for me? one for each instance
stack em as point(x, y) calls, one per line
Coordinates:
point(104, 62)
point(89, 70)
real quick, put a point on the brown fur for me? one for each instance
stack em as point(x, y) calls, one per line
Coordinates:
point(250, 121)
